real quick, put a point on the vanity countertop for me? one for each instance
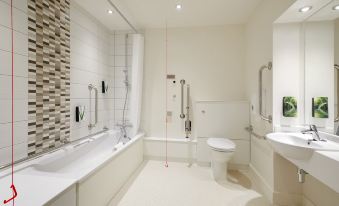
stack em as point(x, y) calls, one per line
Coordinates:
point(323, 165)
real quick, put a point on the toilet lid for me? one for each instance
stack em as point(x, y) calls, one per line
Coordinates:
point(221, 144)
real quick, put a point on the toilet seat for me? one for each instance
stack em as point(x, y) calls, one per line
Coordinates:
point(221, 144)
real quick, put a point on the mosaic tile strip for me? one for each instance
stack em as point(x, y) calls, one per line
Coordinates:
point(48, 74)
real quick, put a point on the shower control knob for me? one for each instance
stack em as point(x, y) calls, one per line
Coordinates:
point(203, 111)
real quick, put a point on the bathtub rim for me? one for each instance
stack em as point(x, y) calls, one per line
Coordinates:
point(5, 173)
point(68, 181)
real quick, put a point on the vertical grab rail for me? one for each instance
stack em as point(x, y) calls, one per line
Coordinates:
point(92, 87)
point(188, 123)
point(182, 115)
point(262, 116)
point(336, 67)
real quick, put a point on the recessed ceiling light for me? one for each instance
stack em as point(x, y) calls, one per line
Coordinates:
point(305, 9)
point(109, 11)
point(178, 6)
point(336, 8)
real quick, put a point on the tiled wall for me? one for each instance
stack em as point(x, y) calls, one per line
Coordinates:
point(48, 74)
point(96, 54)
point(92, 61)
point(20, 80)
point(122, 50)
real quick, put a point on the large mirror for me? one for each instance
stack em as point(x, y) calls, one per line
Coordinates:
point(321, 54)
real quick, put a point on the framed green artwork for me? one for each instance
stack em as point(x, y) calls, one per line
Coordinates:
point(320, 107)
point(290, 107)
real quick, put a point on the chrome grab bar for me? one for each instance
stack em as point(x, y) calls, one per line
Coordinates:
point(263, 117)
point(182, 115)
point(92, 87)
point(249, 129)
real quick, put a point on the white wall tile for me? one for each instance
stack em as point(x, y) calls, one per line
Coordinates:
point(120, 93)
point(20, 133)
point(92, 62)
point(20, 151)
point(20, 20)
point(20, 87)
point(19, 4)
point(20, 110)
point(20, 64)
point(120, 61)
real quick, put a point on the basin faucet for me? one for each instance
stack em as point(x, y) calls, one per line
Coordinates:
point(314, 131)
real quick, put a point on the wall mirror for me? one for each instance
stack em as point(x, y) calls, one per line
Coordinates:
point(321, 57)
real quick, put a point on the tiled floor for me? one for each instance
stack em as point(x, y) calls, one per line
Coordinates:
point(183, 185)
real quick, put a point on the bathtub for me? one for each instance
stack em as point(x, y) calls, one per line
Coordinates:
point(89, 172)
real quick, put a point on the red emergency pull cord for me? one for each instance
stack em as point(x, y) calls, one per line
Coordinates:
point(14, 195)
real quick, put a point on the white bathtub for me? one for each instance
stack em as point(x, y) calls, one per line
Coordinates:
point(92, 167)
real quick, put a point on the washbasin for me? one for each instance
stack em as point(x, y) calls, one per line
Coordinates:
point(298, 146)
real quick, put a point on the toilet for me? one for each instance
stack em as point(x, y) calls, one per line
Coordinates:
point(221, 149)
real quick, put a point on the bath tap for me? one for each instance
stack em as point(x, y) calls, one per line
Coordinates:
point(123, 130)
point(314, 131)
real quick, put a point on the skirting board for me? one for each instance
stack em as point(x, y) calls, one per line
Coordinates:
point(263, 186)
point(274, 197)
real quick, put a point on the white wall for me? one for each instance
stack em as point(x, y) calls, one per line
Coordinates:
point(20, 80)
point(288, 74)
point(210, 59)
point(259, 46)
point(319, 72)
point(91, 62)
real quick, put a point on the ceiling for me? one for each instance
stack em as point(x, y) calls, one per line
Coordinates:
point(98, 9)
point(321, 9)
point(156, 13)
point(326, 13)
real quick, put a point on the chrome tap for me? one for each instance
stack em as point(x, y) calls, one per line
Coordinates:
point(314, 131)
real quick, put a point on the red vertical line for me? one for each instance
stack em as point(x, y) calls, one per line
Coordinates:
point(166, 162)
point(12, 42)
point(166, 67)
